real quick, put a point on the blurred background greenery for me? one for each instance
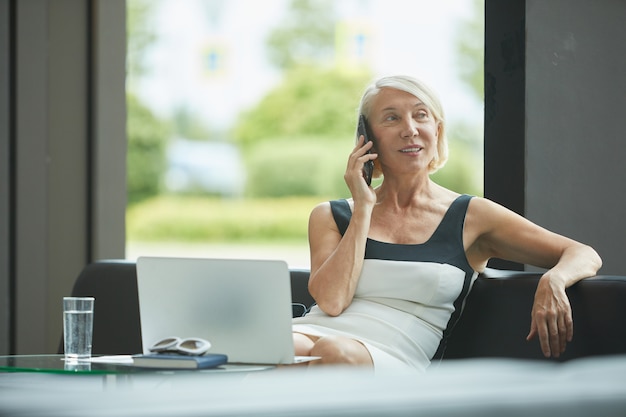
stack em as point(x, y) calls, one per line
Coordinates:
point(291, 143)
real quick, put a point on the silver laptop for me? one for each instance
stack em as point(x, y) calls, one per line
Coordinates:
point(243, 307)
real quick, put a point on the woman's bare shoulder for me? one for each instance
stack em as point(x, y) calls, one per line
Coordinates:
point(321, 213)
point(324, 208)
point(487, 209)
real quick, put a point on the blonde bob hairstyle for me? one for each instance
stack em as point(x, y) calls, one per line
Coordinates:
point(426, 95)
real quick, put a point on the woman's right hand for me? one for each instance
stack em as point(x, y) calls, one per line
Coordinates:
point(336, 259)
point(354, 172)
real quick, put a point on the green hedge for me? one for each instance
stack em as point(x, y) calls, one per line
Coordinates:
point(298, 167)
point(316, 165)
point(205, 219)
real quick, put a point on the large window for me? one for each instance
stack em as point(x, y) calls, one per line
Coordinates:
point(242, 113)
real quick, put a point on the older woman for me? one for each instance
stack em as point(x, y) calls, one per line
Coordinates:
point(392, 266)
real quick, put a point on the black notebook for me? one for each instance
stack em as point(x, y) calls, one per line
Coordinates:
point(175, 361)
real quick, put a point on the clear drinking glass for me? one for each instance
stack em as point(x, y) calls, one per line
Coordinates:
point(77, 327)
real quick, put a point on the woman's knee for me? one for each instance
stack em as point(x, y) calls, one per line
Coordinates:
point(302, 344)
point(338, 350)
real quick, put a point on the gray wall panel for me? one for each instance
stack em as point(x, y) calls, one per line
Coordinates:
point(31, 246)
point(5, 163)
point(71, 154)
point(575, 140)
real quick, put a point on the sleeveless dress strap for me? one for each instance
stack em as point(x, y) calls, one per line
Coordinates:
point(341, 213)
point(452, 224)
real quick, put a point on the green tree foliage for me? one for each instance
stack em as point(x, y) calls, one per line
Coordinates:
point(471, 49)
point(140, 36)
point(463, 172)
point(306, 35)
point(296, 139)
point(147, 134)
point(145, 162)
point(310, 101)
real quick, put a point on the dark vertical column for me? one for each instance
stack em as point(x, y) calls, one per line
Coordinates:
point(505, 82)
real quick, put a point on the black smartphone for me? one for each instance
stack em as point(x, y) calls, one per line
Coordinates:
point(364, 129)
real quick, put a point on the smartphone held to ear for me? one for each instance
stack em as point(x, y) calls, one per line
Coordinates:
point(368, 167)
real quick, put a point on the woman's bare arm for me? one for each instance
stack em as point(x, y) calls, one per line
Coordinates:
point(496, 232)
point(337, 261)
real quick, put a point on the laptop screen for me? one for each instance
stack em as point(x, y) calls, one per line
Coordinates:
point(243, 307)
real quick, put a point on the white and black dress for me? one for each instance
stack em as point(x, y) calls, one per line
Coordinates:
point(408, 297)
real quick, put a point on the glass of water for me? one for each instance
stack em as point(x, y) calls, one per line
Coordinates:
point(77, 327)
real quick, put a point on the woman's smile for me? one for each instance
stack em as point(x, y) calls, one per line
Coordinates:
point(412, 149)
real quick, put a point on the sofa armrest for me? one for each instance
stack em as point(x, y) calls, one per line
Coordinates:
point(496, 318)
point(300, 297)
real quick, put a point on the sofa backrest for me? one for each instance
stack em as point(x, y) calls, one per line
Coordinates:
point(116, 325)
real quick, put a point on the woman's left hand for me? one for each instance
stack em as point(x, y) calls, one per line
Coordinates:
point(551, 318)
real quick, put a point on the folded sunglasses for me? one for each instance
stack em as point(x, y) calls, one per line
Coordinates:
point(193, 346)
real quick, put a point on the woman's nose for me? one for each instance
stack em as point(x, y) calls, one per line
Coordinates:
point(409, 129)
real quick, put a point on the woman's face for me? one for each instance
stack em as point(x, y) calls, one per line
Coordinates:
point(405, 130)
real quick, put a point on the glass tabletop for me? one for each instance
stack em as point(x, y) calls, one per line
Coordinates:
point(100, 365)
point(58, 364)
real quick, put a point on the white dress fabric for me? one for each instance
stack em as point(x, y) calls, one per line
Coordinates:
point(408, 297)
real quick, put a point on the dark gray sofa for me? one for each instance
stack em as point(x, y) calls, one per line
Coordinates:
point(495, 321)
